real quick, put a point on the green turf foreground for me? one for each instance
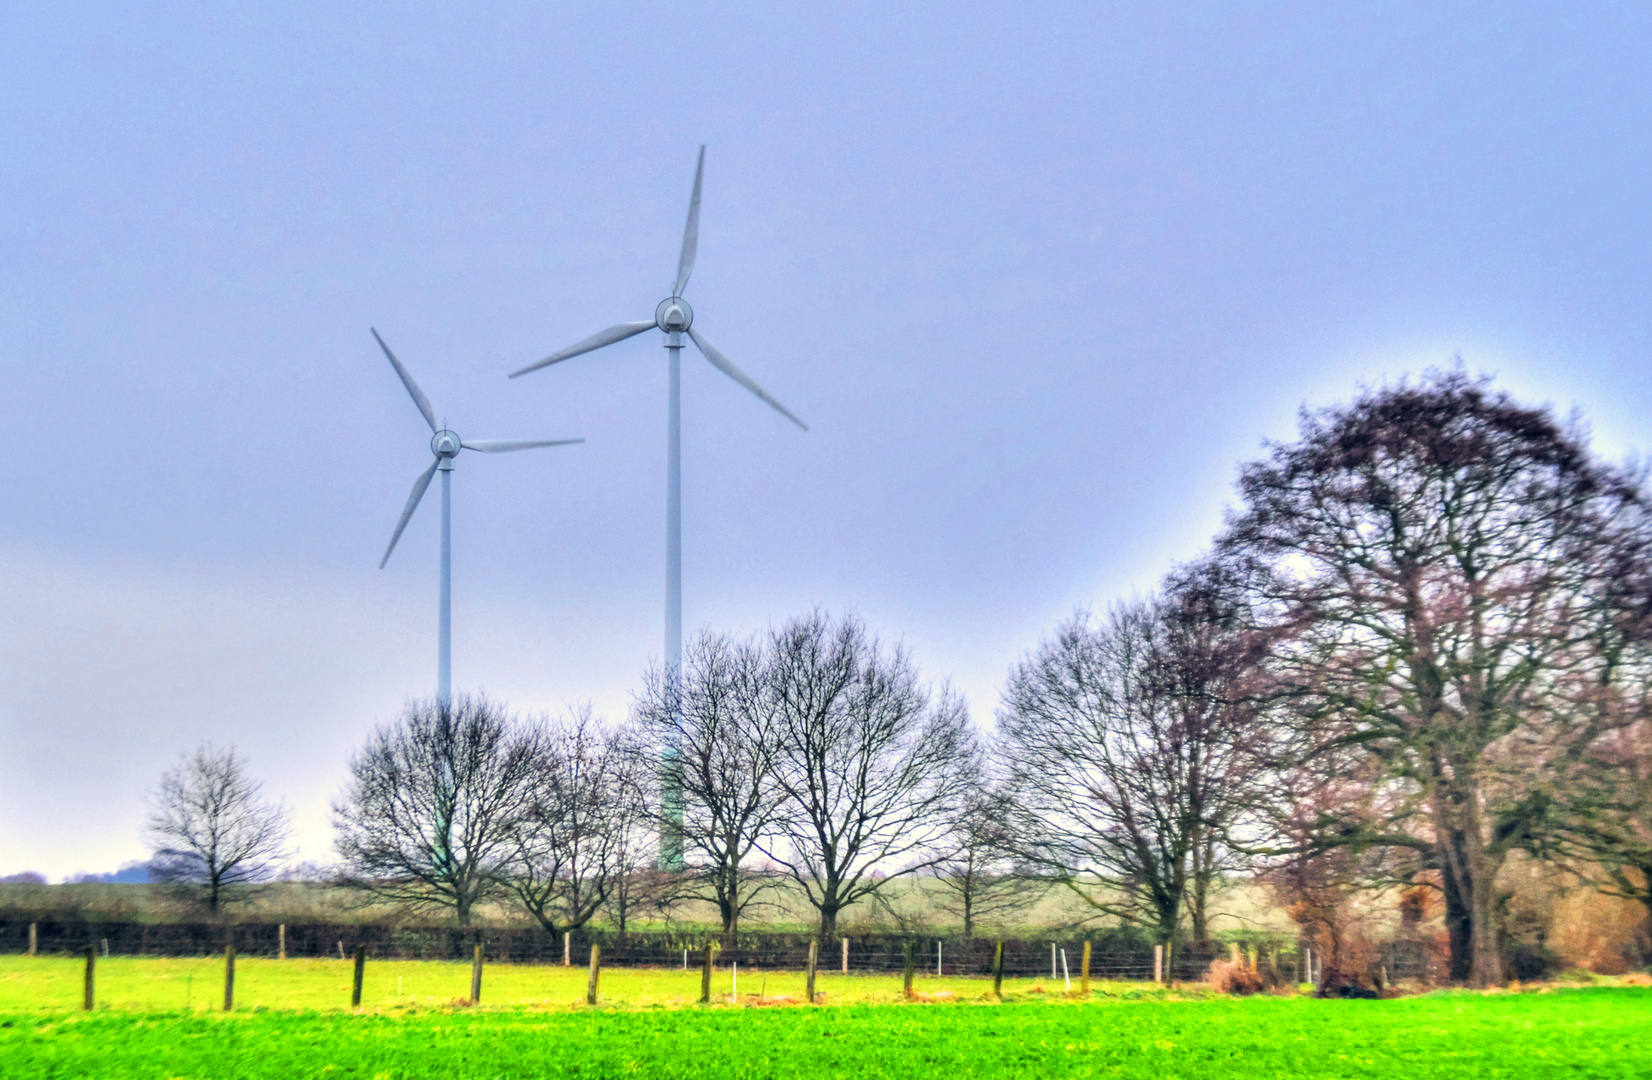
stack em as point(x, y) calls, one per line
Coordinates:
point(1573, 1033)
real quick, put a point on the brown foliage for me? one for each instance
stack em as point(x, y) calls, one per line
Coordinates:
point(1228, 977)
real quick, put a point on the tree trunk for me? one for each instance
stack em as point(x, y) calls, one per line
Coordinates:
point(1459, 923)
point(1488, 959)
point(1198, 884)
point(1168, 910)
point(1487, 956)
point(1198, 914)
point(731, 923)
point(1451, 844)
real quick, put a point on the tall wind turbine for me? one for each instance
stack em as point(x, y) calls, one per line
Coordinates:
point(444, 446)
point(675, 318)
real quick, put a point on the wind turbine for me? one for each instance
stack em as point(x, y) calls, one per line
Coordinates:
point(675, 318)
point(444, 446)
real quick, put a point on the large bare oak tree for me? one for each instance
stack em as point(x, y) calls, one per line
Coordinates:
point(1441, 571)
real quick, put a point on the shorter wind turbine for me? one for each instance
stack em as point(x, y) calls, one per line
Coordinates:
point(445, 446)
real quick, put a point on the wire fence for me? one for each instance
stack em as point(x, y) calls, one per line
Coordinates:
point(1053, 957)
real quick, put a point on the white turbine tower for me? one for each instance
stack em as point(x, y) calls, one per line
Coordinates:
point(675, 318)
point(445, 446)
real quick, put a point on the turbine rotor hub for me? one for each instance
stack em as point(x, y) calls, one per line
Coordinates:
point(673, 315)
point(445, 444)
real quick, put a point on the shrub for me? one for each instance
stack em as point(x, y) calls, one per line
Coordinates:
point(1229, 978)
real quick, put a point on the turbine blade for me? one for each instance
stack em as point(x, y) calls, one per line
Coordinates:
point(595, 341)
point(691, 231)
point(412, 504)
point(726, 366)
point(412, 387)
point(499, 446)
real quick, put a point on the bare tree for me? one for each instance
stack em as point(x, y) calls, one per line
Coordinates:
point(1441, 569)
point(1206, 666)
point(1124, 760)
point(980, 878)
point(640, 885)
point(430, 815)
point(642, 890)
point(578, 837)
point(873, 771)
point(722, 741)
point(211, 828)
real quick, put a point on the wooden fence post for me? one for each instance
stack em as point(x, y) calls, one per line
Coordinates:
point(846, 956)
point(229, 977)
point(998, 971)
point(281, 938)
point(476, 976)
point(596, 973)
point(705, 977)
point(814, 958)
point(906, 978)
point(1158, 963)
point(91, 978)
point(355, 983)
point(568, 949)
point(1084, 971)
point(34, 938)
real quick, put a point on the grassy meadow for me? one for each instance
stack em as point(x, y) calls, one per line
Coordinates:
point(52, 984)
point(162, 1018)
point(1569, 1033)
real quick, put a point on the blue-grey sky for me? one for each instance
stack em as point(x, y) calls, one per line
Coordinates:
point(1038, 277)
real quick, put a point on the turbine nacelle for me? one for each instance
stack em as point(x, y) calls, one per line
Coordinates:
point(674, 316)
point(446, 444)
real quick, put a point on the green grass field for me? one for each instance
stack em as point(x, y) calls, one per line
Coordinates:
point(148, 984)
point(158, 1021)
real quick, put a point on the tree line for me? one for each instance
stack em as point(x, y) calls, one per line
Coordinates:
point(1418, 647)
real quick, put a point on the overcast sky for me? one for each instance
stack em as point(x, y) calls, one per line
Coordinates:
point(1038, 279)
